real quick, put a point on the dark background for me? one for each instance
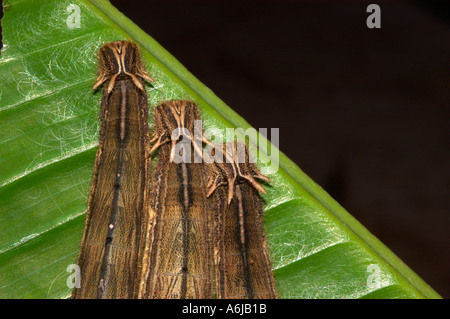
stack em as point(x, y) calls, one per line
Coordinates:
point(364, 112)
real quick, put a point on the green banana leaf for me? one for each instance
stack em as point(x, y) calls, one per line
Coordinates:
point(48, 139)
